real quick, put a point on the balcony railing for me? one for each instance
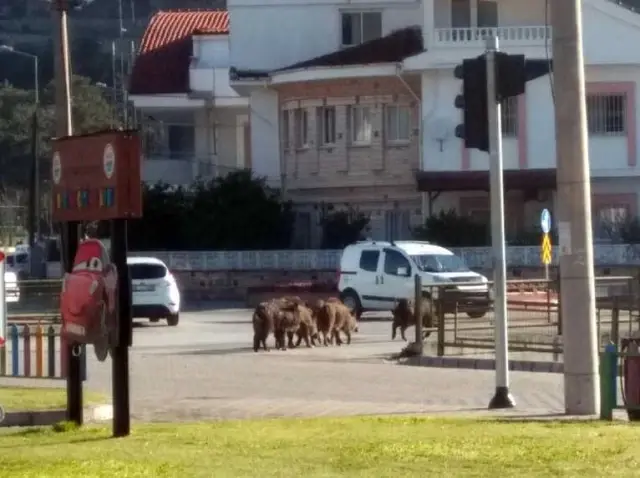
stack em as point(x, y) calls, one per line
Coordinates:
point(476, 36)
point(184, 169)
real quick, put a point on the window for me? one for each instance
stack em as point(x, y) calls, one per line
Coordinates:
point(181, 141)
point(369, 260)
point(509, 112)
point(393, 261)
point(302, 128)
point(460, 13)
point(607, 221)
point(285, 130)
point(606, 114)
point(147, 271)
point(398, 119)
point(327, 125)
point(487, 13)
point(359, 27)
point(360, 124)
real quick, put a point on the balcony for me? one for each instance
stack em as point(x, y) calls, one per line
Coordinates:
point(183, 169)
point(475, 37)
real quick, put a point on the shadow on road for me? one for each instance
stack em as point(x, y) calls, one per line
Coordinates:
point(212, 306)
point(227, 351)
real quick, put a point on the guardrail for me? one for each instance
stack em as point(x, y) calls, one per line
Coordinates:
point(463, 314)
point(36, 352)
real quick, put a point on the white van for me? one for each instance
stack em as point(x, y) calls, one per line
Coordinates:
point(373, 275)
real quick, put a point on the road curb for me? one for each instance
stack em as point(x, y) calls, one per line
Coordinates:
point(483, 364)
point(92, 414)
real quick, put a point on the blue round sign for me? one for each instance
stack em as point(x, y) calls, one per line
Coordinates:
point(545, 221)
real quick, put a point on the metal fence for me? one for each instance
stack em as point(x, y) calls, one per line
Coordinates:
point(463, 315)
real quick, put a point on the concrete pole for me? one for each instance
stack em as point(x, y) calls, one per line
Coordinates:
point(502, 397)
point(577, 291)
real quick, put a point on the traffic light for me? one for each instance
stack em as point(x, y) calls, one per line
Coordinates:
point(475, 129)
point(512, 74)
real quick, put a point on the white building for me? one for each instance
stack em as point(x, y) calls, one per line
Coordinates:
point(351, 102)
point(196, 124)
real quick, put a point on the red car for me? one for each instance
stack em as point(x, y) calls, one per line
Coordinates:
point(88, 300)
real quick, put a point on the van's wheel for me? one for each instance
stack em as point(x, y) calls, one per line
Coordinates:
point(352, 301)
point(173, 320)
point(477, 314)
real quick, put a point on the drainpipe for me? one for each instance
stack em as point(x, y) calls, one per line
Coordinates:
point(418, 99)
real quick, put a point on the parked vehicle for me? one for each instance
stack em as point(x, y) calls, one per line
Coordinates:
point(155, 291)
point(373, 275)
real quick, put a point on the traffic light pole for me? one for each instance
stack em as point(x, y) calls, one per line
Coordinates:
point(573, 210)
point(502, 397)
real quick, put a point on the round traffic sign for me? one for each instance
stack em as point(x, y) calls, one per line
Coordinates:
point(545, 221)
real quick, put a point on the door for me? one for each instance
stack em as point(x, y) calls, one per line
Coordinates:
point(396, 280)
point(368, 279)
point(148, 283)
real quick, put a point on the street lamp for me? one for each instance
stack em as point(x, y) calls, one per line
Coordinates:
point(34, 186)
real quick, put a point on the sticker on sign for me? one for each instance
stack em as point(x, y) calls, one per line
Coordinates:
point(545, 221)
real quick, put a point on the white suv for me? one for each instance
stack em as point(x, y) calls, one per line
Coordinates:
point(373, 275)
point(155, 292)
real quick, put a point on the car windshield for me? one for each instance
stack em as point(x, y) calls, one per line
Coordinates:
point(440, 263)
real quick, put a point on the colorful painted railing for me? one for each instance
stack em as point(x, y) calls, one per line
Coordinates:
point(36, 352)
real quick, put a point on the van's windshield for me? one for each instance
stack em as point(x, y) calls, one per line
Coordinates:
point(440, 263)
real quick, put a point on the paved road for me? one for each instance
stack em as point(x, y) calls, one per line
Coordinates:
point(205, 368)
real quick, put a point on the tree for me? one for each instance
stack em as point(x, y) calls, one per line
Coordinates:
point(341, 228)
point(452, 230)
point(91, 112)
point(236, 212)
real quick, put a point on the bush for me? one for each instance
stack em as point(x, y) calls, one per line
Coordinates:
point(449, 229)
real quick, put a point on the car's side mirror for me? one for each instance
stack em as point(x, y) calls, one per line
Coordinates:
point(403, 271)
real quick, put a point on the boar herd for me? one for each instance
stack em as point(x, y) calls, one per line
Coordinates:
point(291, 317)
point(322, 322)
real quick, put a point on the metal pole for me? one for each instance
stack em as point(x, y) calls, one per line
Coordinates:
point(36, 152)
point(502, 397)
point(69, 229)
point(125, 111)
point(577, 299)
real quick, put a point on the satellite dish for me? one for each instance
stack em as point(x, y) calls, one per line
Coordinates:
point(440, 130)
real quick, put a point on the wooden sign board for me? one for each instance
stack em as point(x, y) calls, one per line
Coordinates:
point(96, 177)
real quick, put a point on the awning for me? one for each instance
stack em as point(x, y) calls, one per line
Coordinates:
point(527, 179)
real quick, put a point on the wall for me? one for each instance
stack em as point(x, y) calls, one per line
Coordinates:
point(274, 34)
point(265, 134)
point(510, 13)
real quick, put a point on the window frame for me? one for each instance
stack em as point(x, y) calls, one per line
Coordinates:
point(322, 126)
point(388, 252)
point(375, 251)
point(360, 14)
point(301, 131)
point(357, 115)
point(397, 107)
point(593, 125)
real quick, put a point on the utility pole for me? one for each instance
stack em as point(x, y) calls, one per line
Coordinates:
point(69, 230)
point(573, 203)
point(502, 397)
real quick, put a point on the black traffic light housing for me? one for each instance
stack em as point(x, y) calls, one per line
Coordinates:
point(512, 74)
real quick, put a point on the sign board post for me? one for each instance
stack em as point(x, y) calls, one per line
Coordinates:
point(546, 252)
point(3, 312)
point(96, 177)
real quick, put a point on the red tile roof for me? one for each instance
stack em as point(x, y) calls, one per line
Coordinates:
point(162, 65)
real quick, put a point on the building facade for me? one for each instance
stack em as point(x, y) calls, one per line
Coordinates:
point(351, 104)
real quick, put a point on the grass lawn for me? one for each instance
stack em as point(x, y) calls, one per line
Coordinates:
point(350, 447)
point(14, 399)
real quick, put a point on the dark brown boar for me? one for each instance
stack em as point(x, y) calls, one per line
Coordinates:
point(404, 317)
point(264, 321)
point(292, 319)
